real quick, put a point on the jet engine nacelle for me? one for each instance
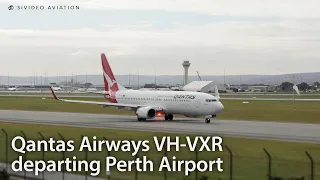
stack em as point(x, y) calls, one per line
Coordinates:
point(146, 112)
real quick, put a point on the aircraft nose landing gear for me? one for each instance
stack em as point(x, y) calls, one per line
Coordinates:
point(207, 120)
point(168, 117)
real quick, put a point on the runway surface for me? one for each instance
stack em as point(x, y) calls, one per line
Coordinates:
point(225, 128)
point(100, 96)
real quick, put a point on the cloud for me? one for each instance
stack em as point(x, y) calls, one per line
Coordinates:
point(143, 26)
point(80, 53)
point(284, 34)
point(291, 44)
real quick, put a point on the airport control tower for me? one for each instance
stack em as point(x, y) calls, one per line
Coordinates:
point(186, 65)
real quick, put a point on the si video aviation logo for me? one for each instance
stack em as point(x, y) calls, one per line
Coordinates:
point(41, 7)
point(11, 7)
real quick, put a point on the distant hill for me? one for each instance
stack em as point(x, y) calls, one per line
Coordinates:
point(170, 79)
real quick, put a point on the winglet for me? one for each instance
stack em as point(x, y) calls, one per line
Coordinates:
point(54, 94)
point(216, 92)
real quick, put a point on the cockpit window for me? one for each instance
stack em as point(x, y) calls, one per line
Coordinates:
point(211, 100)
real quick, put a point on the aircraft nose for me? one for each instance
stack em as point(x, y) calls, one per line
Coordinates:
point(219, 107)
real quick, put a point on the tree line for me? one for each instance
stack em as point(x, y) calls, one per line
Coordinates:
point(287, 86)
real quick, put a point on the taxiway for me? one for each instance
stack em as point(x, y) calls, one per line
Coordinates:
point(226, 128)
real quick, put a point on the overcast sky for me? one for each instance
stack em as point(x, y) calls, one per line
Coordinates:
point(155, 36)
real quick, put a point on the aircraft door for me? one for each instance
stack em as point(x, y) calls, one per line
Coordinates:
point(197, 103)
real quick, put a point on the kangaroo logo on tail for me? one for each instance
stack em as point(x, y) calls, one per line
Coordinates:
point(110, 82)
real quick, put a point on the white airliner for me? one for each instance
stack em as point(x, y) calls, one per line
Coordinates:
point(16, 88)
point(55, 88)
point(149, 104)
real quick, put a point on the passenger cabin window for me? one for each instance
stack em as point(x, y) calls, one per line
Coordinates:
point(211, 100)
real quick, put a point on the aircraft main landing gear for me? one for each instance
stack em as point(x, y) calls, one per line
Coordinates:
point(141, 119)
point(207, 120)
point(168, 117)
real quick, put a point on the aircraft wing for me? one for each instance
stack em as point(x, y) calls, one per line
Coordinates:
point(120, 105)
point(101, 92)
